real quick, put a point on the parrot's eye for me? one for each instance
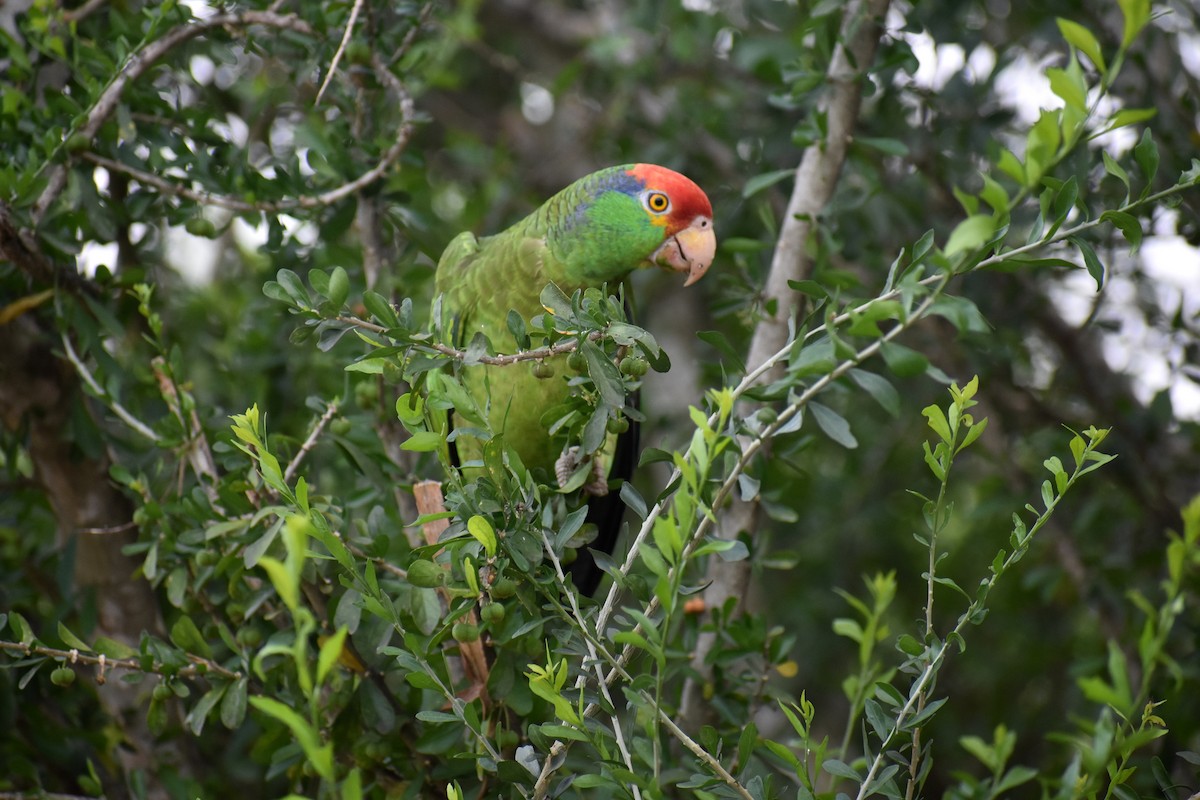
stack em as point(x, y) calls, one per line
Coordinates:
point(657, 202)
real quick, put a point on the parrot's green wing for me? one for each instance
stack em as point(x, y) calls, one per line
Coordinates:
point(480, 281)
point(594, 232)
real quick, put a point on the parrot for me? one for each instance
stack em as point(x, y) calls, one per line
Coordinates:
point(593, 233)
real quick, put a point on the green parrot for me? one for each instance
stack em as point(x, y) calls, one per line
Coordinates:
point(594, 232)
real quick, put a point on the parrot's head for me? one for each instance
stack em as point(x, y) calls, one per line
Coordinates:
point(636, 215)
point(678, 208)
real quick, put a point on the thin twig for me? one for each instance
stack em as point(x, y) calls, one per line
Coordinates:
point(72, 15)
point(310, 442)
point(381, 563)
point(538, 354)
point(542, 787)
point(337, 56)
point(199, 454)
point(114, 406)
point(135, 66)
point(200, 666)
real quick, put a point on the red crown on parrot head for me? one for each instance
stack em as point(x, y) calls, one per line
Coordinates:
point(688, 200)
point(689, 244)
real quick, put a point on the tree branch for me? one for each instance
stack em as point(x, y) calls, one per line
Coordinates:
point(135, 66)
point(199, 666)
point(816, 179)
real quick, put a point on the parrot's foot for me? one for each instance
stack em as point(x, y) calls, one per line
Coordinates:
point(569, 461)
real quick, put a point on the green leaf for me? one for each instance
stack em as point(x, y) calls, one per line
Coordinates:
point(1064, 201)
point(1190, 176)
point(484, 533)
point(841, 769)
point(423, 442)
point(187, 636)
point(352, 787)
point(1094, 267)
point(1145, 153)
point(886, 145)
point(1083, 40)
point(880, 389)
point(973, 433)
point(718, 341)
point(197, 715)
point(70, 639)
point(1117, 171)
point(331, 651)
point(1137, 14)
point(320, 756)
point(994, 195)
point(759, 182)
point(938, 422)
point(379, 308)
point(233, 704)
point(746, 743)
point(368, 366)
point(1041, 146)
point(1072, 91)
point(286, 586)
point(633, 500)
point(554, 301)
point(931, 708)
point(969, 234)
point(1011, 166)
point(294, 288)
point(339, 287)
point(1126, 117)
point(903, 361)
point(1130, 226)
point(833, 424)
point(604, 374)
point(981, 750)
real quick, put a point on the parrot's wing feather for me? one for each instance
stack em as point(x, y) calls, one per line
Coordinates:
point(453, 283)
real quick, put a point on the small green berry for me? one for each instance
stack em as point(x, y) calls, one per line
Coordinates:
point(62, 676)
point(634, 366)
point(426, 574)
point(199, 226)
point(492, 613)
point(503, 588)
point(465, 632)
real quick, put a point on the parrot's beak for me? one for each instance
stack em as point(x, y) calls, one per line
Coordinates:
point(691, 250)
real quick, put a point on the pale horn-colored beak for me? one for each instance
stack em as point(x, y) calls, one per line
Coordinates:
point(691, 250)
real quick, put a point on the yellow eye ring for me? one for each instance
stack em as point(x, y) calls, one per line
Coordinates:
point(657, 202)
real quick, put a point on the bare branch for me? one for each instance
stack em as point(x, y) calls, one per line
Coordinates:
point(337, 56)
point(200, 666)
point(309, 443)
point(72, 15)
point(820, 166)
point(816, 179)
point(118, 409)
point(503, 360)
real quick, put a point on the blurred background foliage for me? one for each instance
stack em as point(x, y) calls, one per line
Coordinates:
point(511, 100)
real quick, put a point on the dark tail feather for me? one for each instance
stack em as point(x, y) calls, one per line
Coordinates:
point(606, 513)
